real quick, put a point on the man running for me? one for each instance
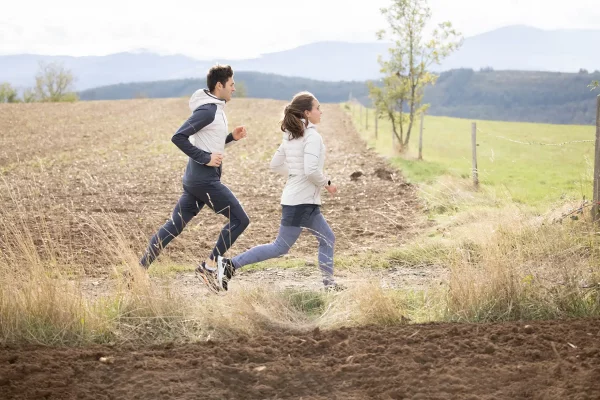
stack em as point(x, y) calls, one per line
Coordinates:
point(203, 138)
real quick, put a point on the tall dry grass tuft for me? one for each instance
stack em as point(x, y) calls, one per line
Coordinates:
point(506, 260)
point(525, 268)
point(38, 303)
point(368, 303)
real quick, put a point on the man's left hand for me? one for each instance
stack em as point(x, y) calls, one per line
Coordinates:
point(239, 133)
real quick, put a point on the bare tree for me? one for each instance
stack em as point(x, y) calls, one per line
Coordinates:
point(407, 69)
point(54, 83)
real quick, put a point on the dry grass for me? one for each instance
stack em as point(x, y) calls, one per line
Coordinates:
point(524, 268)
point(527, 271)
point(41, 301)
point(37, 302)
point(508, 261)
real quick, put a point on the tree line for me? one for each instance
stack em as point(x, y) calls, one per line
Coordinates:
point(528, 96)
point(53, 83)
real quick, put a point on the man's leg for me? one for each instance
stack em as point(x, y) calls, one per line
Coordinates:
point(285, 240)
point(218, 197)
point(187, 208)
point(319, 227)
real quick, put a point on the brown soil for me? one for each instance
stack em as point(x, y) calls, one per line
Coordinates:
point(74, 170)
point(548, 360)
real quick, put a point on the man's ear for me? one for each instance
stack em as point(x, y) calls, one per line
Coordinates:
point(219, 85)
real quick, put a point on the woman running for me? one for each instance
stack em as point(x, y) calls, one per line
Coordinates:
point(300, 157)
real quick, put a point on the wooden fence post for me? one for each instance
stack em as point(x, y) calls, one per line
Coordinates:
point(421, 137)
point(376, 119)
point(474, 161)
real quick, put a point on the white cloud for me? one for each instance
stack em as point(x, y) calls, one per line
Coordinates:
point(474, 17)
point(246, 28)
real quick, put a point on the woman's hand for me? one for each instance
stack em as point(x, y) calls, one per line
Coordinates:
point(332, 189)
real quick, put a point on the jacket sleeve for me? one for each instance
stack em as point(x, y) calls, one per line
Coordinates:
point(229, 140)
point(278, 164)
point(202, 116)
point(312, 153)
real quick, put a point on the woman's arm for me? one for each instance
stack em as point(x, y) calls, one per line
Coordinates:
point(312, 154)
point(278, 164)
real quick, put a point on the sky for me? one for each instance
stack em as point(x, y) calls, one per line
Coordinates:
point(237, 29)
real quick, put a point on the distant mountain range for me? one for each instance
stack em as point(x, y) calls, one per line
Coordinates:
point(508, 48)
point(529, 49)
point(553, 97)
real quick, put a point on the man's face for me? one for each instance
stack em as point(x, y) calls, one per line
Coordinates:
point(226, 92)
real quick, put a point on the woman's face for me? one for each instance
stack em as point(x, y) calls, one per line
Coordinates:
point(314, 115)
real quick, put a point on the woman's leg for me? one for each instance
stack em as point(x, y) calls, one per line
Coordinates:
point(319, 227)
point(285, 240)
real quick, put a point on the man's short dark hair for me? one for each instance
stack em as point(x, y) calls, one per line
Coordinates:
point(218, 73)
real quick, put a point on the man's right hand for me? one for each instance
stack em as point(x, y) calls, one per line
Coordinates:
point(215, 160)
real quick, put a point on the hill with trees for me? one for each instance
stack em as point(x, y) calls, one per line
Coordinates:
point(528, 96)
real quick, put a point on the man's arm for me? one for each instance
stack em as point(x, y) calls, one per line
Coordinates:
point(202, 116)
point(237, 134)
point(229, 140)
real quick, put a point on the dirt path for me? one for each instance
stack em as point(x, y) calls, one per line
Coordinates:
point(89, 177)
point(187, 284)
point(548, 360)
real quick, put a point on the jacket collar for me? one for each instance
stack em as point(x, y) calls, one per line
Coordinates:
point(310, 124)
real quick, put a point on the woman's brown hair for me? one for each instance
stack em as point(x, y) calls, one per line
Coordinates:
point(294, 113)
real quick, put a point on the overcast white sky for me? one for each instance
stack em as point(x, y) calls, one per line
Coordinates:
point(236, 29)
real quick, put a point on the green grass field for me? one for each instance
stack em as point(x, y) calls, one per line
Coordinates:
point(529, 173)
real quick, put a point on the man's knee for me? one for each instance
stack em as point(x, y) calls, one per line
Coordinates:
point(327, 239)
point(241, 220)
point(244, 221)
point(174, 226)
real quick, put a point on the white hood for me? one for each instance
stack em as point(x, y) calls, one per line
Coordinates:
point(202, 97)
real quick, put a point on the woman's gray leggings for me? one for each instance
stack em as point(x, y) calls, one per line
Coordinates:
point(286, 238)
